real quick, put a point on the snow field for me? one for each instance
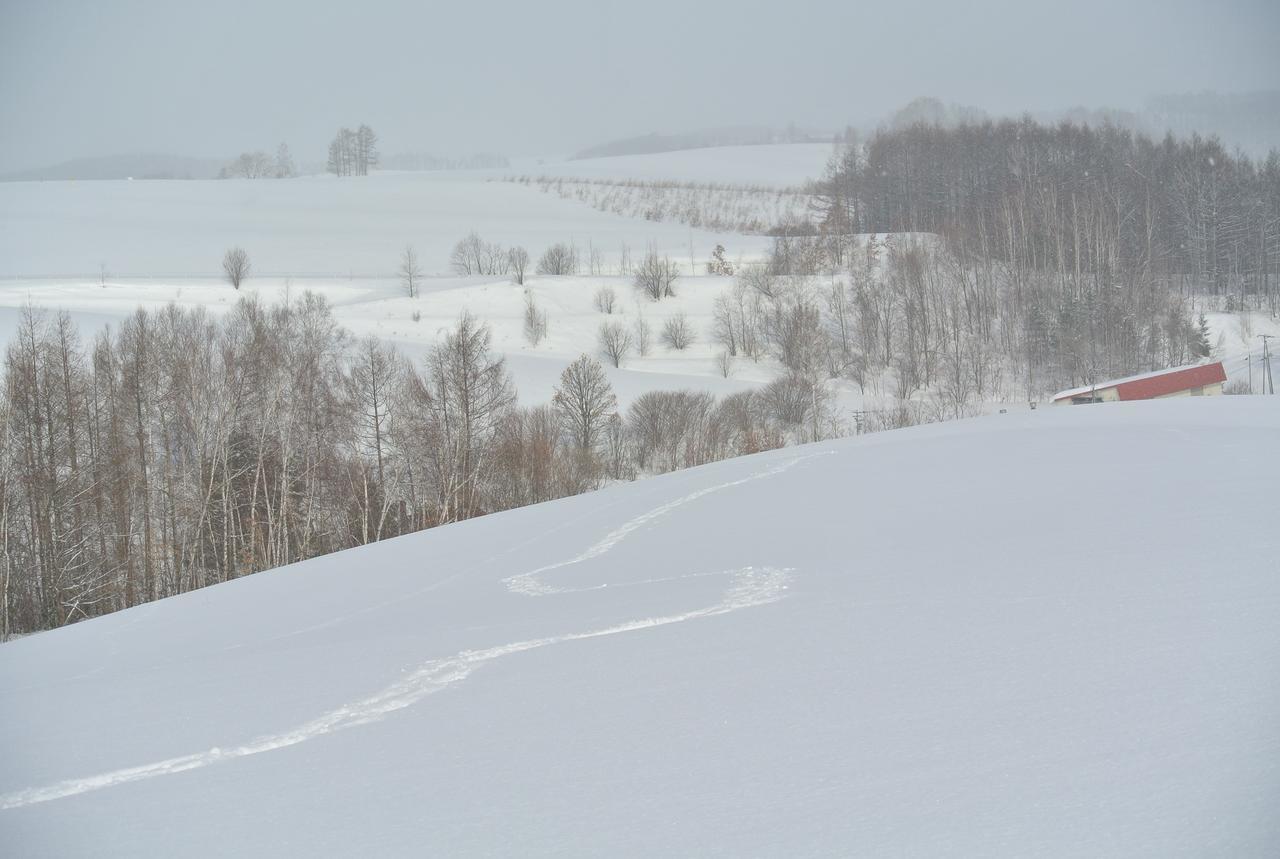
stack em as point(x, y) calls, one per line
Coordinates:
point(360, 225)
point(1019, 635)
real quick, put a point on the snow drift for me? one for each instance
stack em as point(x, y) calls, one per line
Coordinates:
point(1050, 633)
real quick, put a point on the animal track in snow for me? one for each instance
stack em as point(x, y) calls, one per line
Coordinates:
point(747, 587)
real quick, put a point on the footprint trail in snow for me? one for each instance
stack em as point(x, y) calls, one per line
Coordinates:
point(746, 587)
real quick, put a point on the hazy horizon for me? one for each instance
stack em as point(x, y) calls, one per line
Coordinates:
point(83, 80)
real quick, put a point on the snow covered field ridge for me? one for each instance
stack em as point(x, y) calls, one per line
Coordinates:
point(1050, 633)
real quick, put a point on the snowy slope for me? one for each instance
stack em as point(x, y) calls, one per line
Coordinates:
point(1045, 634)
point(309, 225)
point(322, 225)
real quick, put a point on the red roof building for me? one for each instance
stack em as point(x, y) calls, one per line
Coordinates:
point(1195, 381)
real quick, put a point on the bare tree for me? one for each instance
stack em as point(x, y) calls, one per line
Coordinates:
point(759, 278)
point(585, 402)
point(656, 276)
point(615, 342)
point(366, 143)
point(799, 405)
point(529, 465)
point(494, 259)
point(535, 321)
point(458, 408)
point(787, 400)
point(518, 263)
point(235, 266)
point(724, 327)
point(410, 272)
point(606, 299)
point(643, 334)
point(724, 363)
point(559, 259)
point(374, 375)
point(673, 429)
point(677, 332)
point(353, 153)
point(473, 255)
point(467, 255)
point(284, 167)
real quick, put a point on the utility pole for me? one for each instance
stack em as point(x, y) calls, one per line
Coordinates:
point(1268, 380)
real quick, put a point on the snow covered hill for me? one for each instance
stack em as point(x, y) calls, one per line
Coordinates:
point(310, 225)
point(360, 225)
point(1051, 633)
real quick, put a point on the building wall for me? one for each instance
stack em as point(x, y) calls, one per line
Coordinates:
point(1106, 395)
point(1111, 395)
point(1212, 390)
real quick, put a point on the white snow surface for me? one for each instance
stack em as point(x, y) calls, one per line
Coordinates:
point(320, 225)
point(1044, 634)
point(306, 226)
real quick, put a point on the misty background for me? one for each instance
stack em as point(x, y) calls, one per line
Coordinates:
point(205, 81)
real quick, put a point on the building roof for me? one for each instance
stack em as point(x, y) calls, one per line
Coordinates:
point(1144, 386)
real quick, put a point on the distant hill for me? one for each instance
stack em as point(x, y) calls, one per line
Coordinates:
point(131, 165)
point(648, 144)
point(426, 161)
point(1249, 120)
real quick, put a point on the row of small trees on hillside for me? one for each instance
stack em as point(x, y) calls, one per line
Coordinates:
point(473, 255)
point(709, 206)
point(180, 449)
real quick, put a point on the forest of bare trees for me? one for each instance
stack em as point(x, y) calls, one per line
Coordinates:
point(1092, 208)
point(182, 449)
point(1028, 256)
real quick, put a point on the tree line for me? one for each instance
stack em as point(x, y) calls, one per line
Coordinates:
point(180, 449)
point(1031, 257)
point(1093, 208)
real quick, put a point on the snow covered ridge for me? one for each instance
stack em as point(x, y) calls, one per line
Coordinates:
point(747, 209)
point(915, 643)
point(733, 189)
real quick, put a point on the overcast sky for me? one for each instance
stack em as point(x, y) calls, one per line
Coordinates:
point(215, 78)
